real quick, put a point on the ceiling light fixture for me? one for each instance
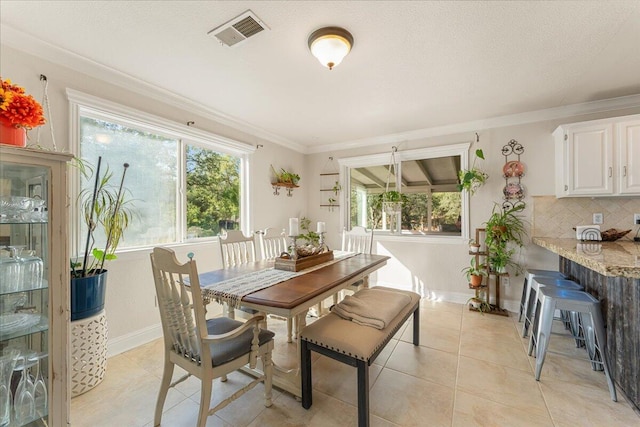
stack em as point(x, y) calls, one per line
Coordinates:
point(330, 45)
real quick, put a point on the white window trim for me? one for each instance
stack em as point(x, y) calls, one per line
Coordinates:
point(460, 149)
point(85, 104)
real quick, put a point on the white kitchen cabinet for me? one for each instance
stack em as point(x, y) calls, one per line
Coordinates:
point(598, 158)
point(34, 288)
point(628, 135)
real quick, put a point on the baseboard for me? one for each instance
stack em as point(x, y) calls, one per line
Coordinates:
point(133, 339)
point(448, 296)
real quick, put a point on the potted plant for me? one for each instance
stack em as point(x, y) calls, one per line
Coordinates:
point(472, 179)
point(105, 210)
point(474, 247)
point(474, 273)
point(391, 202)
point(500, 257)
point(285, 177)
point(19, 112)
point(504, 228)
point(479, 304)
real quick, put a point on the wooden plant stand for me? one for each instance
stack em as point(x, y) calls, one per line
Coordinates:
point(482, 259)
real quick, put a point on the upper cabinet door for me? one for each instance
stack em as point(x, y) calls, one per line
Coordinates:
point(628, 136)
point(589, 162)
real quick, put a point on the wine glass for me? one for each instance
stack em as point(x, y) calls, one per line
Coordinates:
point(40, 386)
point(24, 405)
point(7, 364)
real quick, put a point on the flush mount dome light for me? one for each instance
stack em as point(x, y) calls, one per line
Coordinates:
point(330, 45)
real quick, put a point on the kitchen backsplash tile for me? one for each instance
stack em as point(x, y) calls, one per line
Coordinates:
point(554, 217)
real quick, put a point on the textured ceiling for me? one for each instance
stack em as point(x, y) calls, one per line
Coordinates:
point(415, 65)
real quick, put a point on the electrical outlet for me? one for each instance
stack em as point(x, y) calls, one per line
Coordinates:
point(636, 218)
point(505, 280)
point(598, 218)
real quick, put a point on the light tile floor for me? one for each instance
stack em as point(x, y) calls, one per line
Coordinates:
point(469, 370)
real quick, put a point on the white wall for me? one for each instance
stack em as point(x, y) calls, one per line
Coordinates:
point(432, 267)
point(427, 266)
point(130, 302)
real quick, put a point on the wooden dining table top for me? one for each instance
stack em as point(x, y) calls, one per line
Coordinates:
point(300, 289)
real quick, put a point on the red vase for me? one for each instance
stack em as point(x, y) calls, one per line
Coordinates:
point(12, 135)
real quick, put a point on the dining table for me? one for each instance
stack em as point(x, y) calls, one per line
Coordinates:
point(292, 297)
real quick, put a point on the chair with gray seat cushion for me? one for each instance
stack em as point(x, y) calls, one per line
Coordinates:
point(206, 349)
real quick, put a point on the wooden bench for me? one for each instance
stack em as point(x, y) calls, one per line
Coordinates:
point(355, 345)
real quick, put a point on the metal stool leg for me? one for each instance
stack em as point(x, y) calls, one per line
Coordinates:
point(547, 309)
point(598, 326)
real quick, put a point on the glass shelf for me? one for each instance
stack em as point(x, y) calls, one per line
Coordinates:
point(41, 326)
point(45, 285)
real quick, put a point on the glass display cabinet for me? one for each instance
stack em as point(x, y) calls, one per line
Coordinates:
point(34, 288)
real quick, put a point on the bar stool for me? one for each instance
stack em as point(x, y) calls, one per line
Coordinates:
point(536, 283)
point(552, 298)
point(530, 273)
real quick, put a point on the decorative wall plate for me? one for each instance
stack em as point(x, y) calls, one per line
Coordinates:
point(513, 169)
point(513, 191)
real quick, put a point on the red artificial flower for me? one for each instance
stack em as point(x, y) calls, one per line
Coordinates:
point(17, 108)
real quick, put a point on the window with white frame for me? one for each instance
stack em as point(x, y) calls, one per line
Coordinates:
point(185, 183)
point(427, 182)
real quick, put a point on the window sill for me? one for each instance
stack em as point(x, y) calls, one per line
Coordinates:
point(420, 238)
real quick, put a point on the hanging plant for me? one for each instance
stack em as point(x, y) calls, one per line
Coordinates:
point(474, 178)
point(391, 199)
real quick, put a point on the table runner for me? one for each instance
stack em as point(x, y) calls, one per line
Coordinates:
point(231, 291)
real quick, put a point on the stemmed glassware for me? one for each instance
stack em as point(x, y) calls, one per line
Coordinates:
point(40, 386)
point(24, 403)
point(7, 364)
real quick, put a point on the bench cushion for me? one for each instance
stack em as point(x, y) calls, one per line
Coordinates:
point(357, 341)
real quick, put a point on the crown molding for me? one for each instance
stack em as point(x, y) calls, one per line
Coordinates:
point(27, 43)
point(612, 104)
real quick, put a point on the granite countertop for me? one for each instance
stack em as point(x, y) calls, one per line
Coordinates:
point(620, 258)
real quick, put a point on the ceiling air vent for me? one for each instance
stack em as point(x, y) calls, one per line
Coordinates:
point(238, 29)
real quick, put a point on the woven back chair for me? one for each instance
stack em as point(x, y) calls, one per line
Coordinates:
point(206, 349)
point(237, 249)
point(272, 243)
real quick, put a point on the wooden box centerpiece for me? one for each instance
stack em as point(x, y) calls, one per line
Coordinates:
point(302, 263)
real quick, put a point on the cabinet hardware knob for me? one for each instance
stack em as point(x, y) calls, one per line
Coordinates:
point(624, 171)
point(610, 171)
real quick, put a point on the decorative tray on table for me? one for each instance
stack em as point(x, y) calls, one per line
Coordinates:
point(303, 262)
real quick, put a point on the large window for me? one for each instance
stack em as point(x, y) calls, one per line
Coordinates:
point(185, 184)
point(426, 180)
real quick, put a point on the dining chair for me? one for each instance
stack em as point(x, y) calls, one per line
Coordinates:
point(272, 243)
point(205, 349)
point(236, 248)
point(358, 240)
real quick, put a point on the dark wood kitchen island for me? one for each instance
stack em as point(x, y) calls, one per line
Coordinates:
point(611, 272)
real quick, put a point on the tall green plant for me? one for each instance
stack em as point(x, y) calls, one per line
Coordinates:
point(107, 208)
point(503, 229)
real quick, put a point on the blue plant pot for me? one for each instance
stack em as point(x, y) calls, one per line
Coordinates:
point(87, 295)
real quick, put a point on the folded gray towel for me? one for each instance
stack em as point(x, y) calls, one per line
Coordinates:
point(372, 307)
